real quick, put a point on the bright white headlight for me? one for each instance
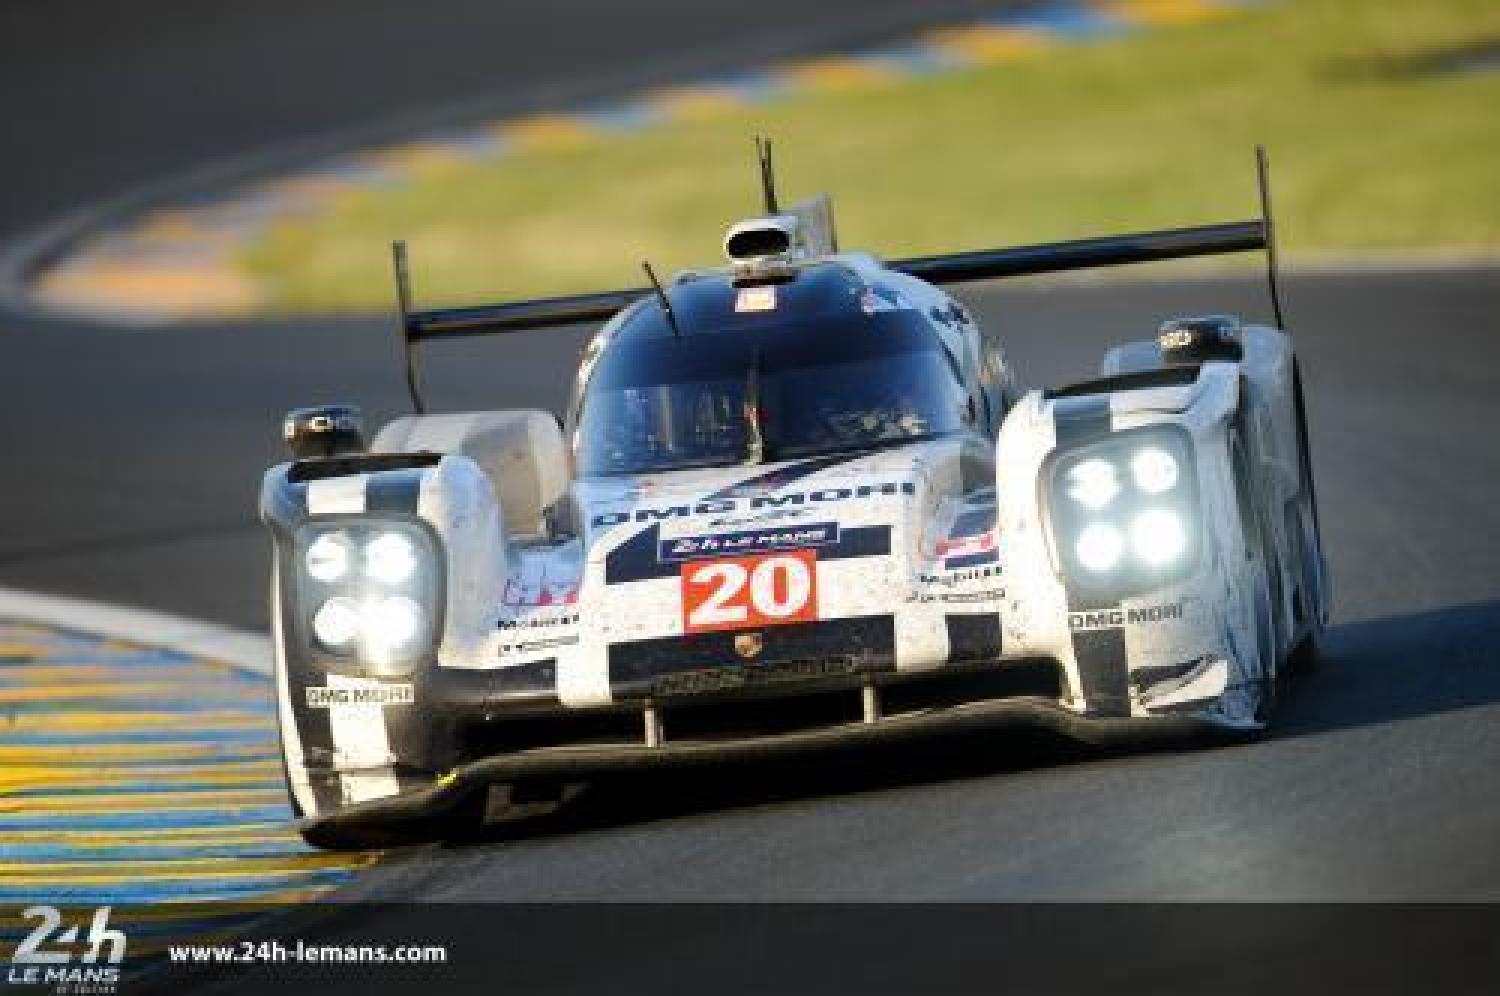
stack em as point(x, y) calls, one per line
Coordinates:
point(1155, 470)
point(328, 557)
point(1158, 536)
point(337, 622)
point(1099, 547)
point(391, 558)
point(390, 625)
point(1092, 483)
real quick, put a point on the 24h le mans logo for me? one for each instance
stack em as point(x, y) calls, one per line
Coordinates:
point(53, 954)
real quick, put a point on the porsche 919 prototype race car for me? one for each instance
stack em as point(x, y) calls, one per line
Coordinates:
point(797, 502)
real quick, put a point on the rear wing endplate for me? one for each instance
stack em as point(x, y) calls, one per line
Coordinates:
point(1048, 257)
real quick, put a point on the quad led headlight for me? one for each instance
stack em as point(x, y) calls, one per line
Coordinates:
point(1153, 469)
point(1124, 509)
point(337, 623)
point(1157, 536)
point(368, 591)
point(1099, 547)
point(1093, 483)
point(390, 558)
point(328, 557)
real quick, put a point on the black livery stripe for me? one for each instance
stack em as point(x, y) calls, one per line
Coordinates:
point(1103, 671)
point(859, 643)
point(1077, 420)
point(314, 726)
point(457, 688)
point(1103, 666)
point(636, 559)
point(861, 541)
point(781, 476)
point(973, 637)
point(394, 491)
point(1166, 674)
point(973, 522)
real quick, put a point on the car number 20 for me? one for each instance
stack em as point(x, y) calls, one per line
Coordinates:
point(744, 592)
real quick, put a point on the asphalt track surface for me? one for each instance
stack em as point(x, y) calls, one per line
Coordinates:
point(132, 463)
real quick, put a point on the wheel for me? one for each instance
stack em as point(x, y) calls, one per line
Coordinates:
point(1307, 655)
point(1312, 596)
point(1263, 573)
point(1265, 642)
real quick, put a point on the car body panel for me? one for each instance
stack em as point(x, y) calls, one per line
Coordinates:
point(857, 573)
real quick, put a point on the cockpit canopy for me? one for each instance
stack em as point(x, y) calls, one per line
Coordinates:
point(817, 365)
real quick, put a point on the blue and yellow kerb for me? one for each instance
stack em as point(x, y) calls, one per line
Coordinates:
point(133, 776)
point(179, 262)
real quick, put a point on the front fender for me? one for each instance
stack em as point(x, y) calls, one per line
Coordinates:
point(350, 733)
point(1126, 654)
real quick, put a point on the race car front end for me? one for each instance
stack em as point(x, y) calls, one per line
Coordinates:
point(759, 613)
point(794, 504)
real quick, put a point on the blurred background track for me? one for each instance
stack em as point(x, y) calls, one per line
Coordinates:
point(107, 97)
point(133, 461)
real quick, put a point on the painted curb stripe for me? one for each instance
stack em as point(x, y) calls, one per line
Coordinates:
point(269, 847)
point(137, 775)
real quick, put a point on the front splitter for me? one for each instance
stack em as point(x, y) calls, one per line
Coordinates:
point(358, 823)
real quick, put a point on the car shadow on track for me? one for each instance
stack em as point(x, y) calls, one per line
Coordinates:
point(1400, 667)
point(1371, 673)
point(661, 796)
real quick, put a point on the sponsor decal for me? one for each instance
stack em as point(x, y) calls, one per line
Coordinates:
point(533, 646)
point(962, 598)
point(777, 515)
point(748, 541)
point(537, 622)
point(749, 645)
point(68, 958)
point(753, 299)
point(320, 697)
point(1116, 618)
point(967, 546)
point(733, 501)
point(964, 576)
point(745, 592)
point(641, 488)
point(537, 589)
point(959, 552)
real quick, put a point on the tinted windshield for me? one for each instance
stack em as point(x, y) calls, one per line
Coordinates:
point(853, 382)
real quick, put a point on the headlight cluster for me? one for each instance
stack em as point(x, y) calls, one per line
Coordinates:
point(368, 591)
point(1125, 509)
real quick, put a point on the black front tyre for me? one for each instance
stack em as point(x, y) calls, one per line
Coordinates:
point(1312, 596)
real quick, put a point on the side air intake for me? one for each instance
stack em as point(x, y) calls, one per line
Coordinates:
point(803, 232)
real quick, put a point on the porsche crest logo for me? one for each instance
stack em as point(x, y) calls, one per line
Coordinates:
point(749, 645)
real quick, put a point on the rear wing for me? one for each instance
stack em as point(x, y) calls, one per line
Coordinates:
point(1015, 261)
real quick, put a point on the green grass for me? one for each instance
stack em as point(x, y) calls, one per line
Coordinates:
point(1369, 152)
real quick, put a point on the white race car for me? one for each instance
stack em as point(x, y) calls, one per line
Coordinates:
point(797, 502)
